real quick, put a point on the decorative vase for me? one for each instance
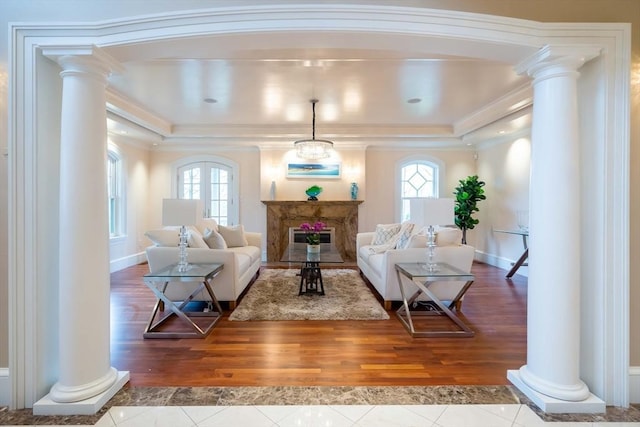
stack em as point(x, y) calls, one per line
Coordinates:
point(354, 191)
point(313, 192)
point(313, 249)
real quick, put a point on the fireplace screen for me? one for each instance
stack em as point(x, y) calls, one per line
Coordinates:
point(297, 235)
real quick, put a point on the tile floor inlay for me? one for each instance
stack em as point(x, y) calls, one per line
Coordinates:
point(350, 398)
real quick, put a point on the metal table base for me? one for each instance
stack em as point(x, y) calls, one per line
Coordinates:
point(422, 281)
point(157, 319)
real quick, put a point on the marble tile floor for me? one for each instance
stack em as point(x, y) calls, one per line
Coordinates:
point(433, 406)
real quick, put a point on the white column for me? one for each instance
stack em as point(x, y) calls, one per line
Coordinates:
point(551, 376)
point(85, 371)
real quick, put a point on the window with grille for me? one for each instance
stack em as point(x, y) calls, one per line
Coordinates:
point(418, 179)
point(211, 183)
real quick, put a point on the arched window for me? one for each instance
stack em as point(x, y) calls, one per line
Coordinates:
point(418, 178)
point(115, 194)
point(210, 180)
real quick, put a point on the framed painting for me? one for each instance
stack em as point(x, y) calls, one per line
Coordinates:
point(313, 170)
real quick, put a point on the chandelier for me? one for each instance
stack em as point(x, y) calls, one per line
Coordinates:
point(313, 148)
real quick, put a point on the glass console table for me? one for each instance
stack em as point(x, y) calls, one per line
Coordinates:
point(521, 261)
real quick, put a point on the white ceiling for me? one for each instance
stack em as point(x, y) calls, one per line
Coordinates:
point(259, 92)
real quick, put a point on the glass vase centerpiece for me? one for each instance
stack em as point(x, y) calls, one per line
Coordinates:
point(312, 235)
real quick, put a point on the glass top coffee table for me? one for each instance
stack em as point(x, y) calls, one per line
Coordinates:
point(310, 273)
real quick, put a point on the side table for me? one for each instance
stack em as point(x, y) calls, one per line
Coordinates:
point(170, 276)
point(423, 278)
point(521, 261)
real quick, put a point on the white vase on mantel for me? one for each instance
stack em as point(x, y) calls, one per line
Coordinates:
point(313, 249)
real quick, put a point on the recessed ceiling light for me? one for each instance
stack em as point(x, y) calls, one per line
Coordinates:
point(501, 132)
point(210, 100)
point(414, 100)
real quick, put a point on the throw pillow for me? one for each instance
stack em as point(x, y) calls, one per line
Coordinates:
point(233, 236)
point(448, 236)
point(417, 241)
point(195, 239)
point(207, 223)
point(213, 239)
point(405, 233)
point(164, 237)
point(384, 233)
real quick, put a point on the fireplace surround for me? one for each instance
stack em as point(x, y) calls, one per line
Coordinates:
point(341, 215)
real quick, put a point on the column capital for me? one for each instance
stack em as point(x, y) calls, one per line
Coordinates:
point(83, 59)
point(557, 60)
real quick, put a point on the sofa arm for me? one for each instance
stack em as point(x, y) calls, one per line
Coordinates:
point(364, 239)
point(254, 239)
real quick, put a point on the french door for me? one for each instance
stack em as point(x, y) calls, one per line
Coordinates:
point(212, 184)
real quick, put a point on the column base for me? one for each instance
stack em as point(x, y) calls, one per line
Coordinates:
point(46, 406)
point(550, 405)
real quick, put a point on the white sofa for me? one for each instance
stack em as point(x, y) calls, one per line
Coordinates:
point(379, 268)
point(241, 265)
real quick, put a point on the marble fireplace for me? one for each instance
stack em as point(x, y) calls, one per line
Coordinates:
point(340, 215)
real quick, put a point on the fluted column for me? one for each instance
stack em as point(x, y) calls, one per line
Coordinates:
point(84, 320)
point(553, 299)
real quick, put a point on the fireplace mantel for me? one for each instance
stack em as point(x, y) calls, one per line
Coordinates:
point(340, 214)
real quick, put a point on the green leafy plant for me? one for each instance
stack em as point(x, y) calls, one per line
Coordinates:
point(468, 193)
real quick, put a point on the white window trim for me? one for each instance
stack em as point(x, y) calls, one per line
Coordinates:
point(121, 232)
point(438, 178)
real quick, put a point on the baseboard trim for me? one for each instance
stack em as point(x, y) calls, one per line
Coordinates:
point(500, 262)
point(634, 384)
point(5, 387)
point(128, 261)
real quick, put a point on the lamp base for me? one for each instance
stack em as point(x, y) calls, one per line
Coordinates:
point(183, 265)
point(430, 265)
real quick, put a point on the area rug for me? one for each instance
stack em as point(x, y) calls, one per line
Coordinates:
point(274, 296)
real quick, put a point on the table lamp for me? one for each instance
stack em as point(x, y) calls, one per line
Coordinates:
point(180, 212)
point(431, 212)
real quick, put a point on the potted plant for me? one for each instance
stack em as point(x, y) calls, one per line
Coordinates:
point(312, 233)
point(468, 193)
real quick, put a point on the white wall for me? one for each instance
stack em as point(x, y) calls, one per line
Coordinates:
point(129, 249)
point(504, 167)
point(273, 163)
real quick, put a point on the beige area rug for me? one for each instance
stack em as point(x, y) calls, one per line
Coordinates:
point(274, 296)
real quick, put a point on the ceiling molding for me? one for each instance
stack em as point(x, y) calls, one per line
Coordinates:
point(505, 105)
point(123, 106)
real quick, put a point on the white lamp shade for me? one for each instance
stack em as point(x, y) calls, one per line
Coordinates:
point(432, 211)
point(179, 212)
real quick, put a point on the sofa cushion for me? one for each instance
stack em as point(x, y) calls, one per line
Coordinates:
point(417, 241)
point(214, 240)
point(164, 237)
point(445, 236)
point(207, 223)
point(234, 236)
point(195, 239)
point(384, 233)
point(448, 236)
point(405, 233)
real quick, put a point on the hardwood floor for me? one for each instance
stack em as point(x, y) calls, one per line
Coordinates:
point(324, 353)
